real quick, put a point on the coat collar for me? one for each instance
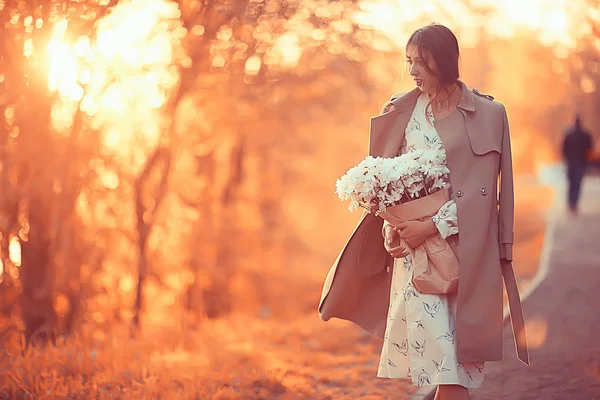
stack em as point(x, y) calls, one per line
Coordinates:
point(409, 99)
point(387, 129)
point(467, 100)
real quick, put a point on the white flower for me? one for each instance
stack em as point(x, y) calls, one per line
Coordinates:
point(385, 182)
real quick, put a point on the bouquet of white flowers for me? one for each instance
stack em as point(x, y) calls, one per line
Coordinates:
point(377, 183)
point(409, 187)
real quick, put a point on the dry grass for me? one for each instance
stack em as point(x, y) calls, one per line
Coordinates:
point(237, 358)
point(240, 357)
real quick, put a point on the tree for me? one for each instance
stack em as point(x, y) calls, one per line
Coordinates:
point(90, 167)
point(40, 179)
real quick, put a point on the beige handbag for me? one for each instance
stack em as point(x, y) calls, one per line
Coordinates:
point(435, 262)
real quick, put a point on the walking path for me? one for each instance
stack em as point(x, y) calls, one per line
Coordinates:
point(563, 317)
point(562, 312)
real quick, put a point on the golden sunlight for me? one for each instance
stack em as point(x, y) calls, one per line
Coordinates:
point(63, 68)
point(14, 251)
point(253, 65)
point(556, 22)
point(168, 172)
point(121, 78)
point(286, 50)
point(537, 332)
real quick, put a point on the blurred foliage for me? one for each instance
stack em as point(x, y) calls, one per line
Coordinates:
point(584, 70)
point(167, 162)
point(149, 143)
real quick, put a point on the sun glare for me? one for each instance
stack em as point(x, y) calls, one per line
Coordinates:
point(64, 65)
point(14, 251)
point(123, 77)
point(125, 71)
point(556, 22)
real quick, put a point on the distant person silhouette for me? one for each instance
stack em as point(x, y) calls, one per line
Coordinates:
point(577, 147)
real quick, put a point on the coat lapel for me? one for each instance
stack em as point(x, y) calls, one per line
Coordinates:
point(466, 102)
point(481, 128)
point(387, 130)
point(466, 105)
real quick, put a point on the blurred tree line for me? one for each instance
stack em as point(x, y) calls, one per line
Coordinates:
point(151, 150)
point(584, 69)
point(180, 204)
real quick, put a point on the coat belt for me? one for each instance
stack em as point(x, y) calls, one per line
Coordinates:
point(516, 311)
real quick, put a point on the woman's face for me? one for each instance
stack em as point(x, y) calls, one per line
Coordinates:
point(424, 79)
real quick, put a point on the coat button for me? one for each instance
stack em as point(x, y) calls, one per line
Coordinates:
point(483, 191)
point(459, 193)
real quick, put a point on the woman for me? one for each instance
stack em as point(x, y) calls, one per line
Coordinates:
point(437, 340)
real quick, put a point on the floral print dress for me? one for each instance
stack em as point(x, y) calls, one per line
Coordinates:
point(420, 340)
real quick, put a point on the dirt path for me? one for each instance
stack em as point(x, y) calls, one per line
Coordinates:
point(563, 318)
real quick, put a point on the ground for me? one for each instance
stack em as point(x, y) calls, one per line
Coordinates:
point(241, 357)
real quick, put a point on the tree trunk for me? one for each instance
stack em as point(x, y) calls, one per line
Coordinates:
point(37, 294)
point(142, 272)
point(217, 297)
point(145, 213)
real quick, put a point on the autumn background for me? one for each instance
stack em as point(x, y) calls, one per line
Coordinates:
point(167, 170)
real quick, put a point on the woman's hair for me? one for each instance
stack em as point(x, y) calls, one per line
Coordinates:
point(439, 43)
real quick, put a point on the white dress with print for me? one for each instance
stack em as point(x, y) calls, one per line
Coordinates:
point(420, 340)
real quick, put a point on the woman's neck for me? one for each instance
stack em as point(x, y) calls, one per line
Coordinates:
point(443, 93)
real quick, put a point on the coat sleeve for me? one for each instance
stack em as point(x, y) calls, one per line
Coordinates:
point(506, 202)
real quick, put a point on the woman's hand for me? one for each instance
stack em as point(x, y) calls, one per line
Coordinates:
point(392, 244)
point(373, 208)
point(415, 233)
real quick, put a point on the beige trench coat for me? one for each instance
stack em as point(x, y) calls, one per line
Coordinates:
point(357, 287)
